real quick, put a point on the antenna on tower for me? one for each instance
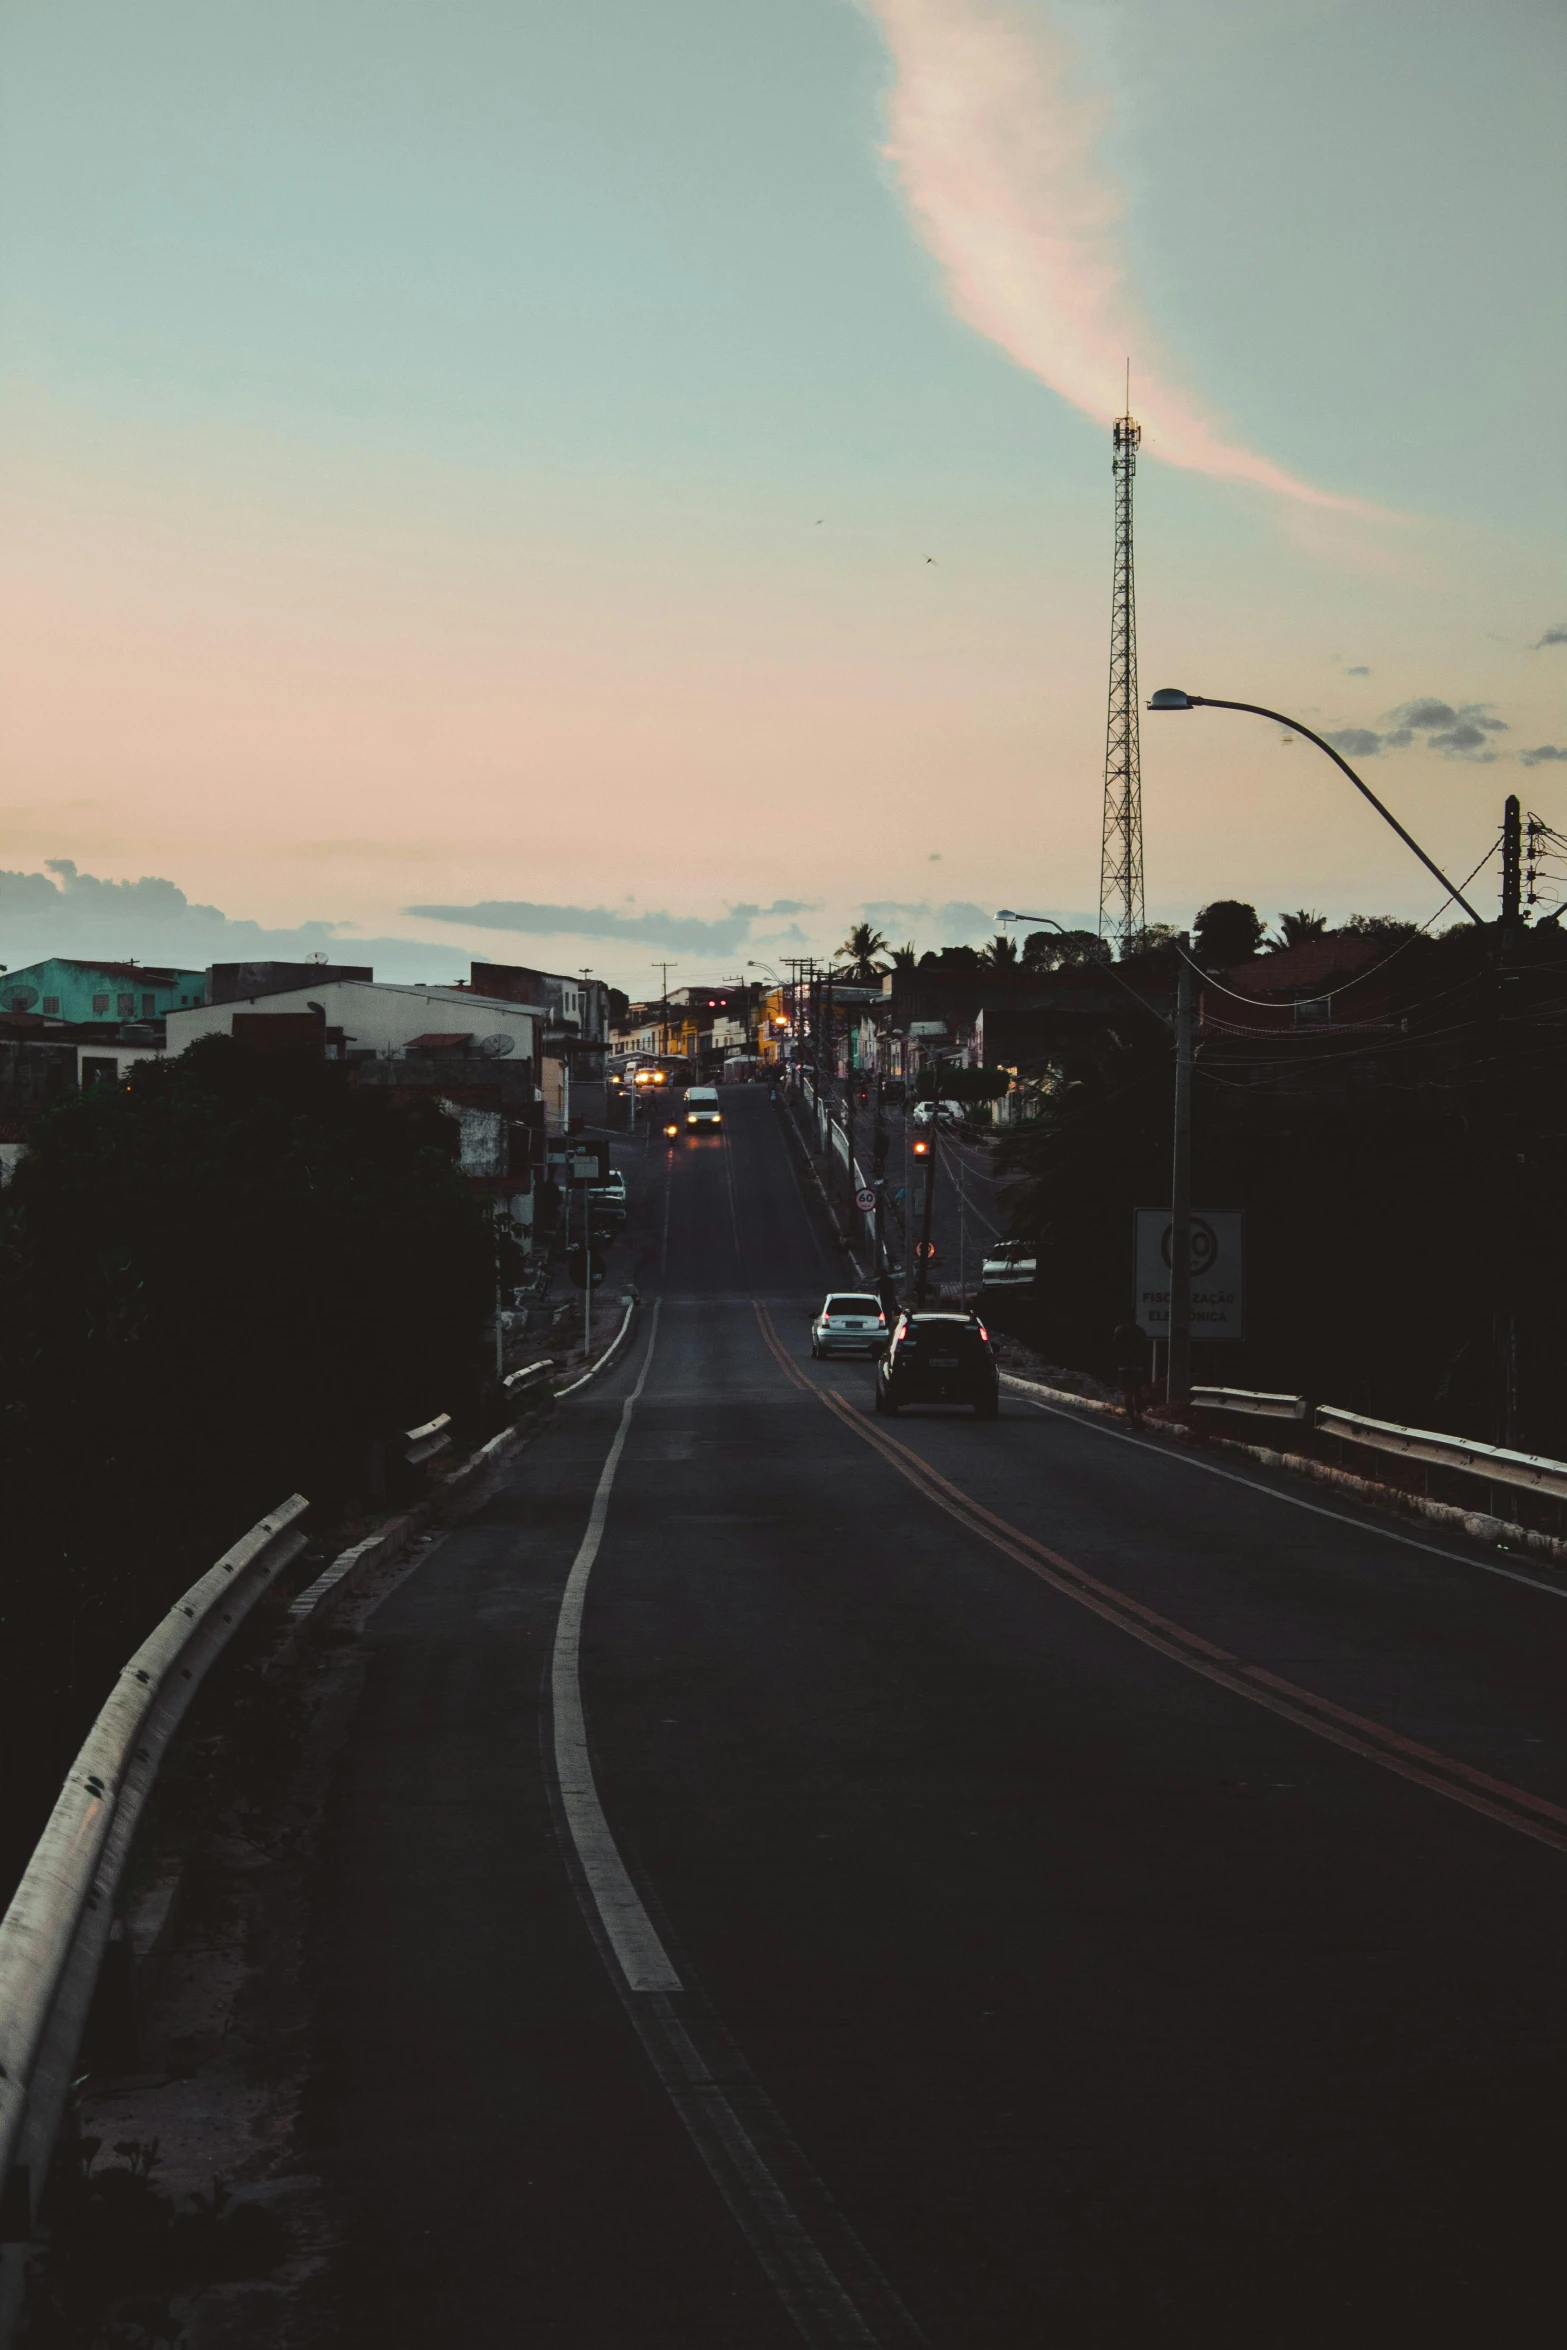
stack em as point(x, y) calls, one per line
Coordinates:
point(1121, 912)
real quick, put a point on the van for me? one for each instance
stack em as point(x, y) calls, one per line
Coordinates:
point(702, 1111)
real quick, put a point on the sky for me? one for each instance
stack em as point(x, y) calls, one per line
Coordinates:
point(597, 485)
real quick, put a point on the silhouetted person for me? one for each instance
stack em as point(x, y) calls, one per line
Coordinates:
point(1130, 1349)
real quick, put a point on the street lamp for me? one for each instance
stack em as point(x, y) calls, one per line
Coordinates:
point(1171, 697)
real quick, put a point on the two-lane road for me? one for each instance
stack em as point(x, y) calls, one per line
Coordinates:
point(804, 1877)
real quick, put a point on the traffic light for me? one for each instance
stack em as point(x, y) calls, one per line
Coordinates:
point(922, 1146)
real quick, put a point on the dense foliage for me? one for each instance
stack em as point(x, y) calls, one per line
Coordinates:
point(1399, 1189)
point(219, 1283)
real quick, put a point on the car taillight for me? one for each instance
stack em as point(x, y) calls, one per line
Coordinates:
point(984, 1333)
point(826, 1321)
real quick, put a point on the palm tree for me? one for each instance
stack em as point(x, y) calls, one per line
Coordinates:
point(1295, 929)
point(863, 944)
point(905, 958)
point(1001, 954)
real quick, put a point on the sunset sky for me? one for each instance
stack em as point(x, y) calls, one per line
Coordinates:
point(581, 483)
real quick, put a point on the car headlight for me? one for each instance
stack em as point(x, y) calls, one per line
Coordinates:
point(690, 1117)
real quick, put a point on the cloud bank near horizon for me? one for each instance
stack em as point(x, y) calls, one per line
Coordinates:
point(996, 152)
point(723, 936)
point(63, 911)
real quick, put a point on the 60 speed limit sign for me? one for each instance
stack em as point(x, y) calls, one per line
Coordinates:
point(865, 1198)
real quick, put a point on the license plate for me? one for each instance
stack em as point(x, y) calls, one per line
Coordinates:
point(943, 1362)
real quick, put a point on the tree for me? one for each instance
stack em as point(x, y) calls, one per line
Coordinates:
point(952, 959)
point(904, 958)
point(1054, 950)
point(863, 944)
point(1002, 953)
point(1386, 926)
point(220, 1282)
point(1227, 931)
point(1148, 940)
point(1295, 929)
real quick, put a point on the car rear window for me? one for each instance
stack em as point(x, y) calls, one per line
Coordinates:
point(852, 1305)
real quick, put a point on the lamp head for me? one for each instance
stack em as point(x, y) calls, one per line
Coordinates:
point(1170, 697)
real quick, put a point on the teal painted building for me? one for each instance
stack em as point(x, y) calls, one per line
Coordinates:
point(61, 988)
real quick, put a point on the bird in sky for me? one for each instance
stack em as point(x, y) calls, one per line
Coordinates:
point(930, 558)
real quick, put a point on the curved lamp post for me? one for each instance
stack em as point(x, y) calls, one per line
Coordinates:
point(1171, 697)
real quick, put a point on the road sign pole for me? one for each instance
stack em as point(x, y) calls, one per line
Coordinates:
point(1178, 1353)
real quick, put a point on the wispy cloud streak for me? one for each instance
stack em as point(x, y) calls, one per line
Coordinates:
point(997, 155)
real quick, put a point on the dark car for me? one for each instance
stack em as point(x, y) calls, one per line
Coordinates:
point(939, 1358)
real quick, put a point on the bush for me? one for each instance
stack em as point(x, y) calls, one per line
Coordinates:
point(219, 1282)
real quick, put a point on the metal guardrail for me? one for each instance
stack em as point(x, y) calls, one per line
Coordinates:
point(53, 1935)
point(1502, 1467)
point(422, 1444)
point(1253, 1400)
point(519, 1382)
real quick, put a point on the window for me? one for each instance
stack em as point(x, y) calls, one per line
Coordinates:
point(51, 1003)
point(127, 1007)
point(100, 1004)
point(97, 1071)
point(149, 1005)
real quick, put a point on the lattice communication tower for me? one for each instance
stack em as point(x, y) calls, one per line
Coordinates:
point(1121, 913)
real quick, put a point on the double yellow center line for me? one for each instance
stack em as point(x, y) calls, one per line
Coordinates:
point(1515, 1807)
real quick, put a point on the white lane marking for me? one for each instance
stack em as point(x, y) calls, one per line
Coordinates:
point(734, 1212)
point(641, 1956)
point(1454, 1558)
point(669, 1186)
point(824, 2312)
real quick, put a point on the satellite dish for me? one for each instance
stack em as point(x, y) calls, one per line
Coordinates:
point(497, 1046)
point(20, 999)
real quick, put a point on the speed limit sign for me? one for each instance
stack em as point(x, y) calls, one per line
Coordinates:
point(865, 1198)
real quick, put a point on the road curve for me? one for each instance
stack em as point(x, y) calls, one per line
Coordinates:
point(796, 1877)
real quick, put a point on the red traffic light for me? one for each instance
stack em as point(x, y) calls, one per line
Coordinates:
point(921, 1147)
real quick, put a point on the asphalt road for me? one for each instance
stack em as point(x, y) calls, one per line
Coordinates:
point(798, 1877)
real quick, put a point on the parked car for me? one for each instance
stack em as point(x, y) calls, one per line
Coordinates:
point(607, 1202)
point(938, 1114)
point(850, 1323)
point(939, 1358)
point(702, 1112)
point(1011, 1264)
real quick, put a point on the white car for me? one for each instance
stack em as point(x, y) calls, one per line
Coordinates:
point(1011, 1264)
point(703, 1115)
point(938, 1114)
point(851, 1322)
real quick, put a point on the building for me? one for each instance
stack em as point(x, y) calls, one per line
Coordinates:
point(579, 1002)
point(232, 983)
point(368, 1020)
point(63, 988)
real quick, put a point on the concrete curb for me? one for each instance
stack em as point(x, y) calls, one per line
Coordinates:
point(1495, 1533)
point(452, 1499)
point(609, 1353)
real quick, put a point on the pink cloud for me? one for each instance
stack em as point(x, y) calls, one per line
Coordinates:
point(997, 155)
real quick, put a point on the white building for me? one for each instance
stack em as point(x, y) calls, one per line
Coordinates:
point(384, 1019)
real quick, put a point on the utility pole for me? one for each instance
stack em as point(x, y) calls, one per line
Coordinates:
point(1512, 867)
point(1178, 1361)
point(1500, 1084)
point(925, 1153)
point(663, 1002)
